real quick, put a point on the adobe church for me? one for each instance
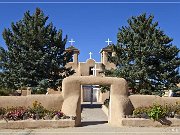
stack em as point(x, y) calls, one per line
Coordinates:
point(91, 93)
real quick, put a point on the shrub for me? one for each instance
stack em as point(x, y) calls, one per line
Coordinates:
point(59, 114)
point(106, 103)
point(104, 88)
point(37, 111)
point(4, 92)
point(157, 112)
point(171, 110)
point(177, 108)
point(2, 111)
point(141, 112)
point(15, 113)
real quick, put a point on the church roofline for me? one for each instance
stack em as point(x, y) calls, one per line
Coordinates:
point(107, 48)
point(72, 48)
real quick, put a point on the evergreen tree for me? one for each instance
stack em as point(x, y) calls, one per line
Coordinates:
point(145, 56)
point(35, 54)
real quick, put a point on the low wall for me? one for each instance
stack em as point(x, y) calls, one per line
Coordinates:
point(147, 100)
point(36, 124)
point(48, 101)
point(140, 122)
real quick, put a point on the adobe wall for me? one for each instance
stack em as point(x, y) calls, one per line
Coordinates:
point(24, 124)
point(104, 60)
point(103, 96)
point(147, 100)
point(119, 102)
point(48, 101)
point(52, 91)
point(84, 67)
point(74, 67)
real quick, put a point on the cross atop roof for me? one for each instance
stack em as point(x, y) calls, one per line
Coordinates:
point(71, 41)
point(108, 41)
point(90, 55)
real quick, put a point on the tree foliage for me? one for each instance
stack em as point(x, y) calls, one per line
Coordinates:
point(145, 56)
point(35, 54)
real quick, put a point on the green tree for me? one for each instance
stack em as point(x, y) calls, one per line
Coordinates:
point(35, 54)
point(145, 56)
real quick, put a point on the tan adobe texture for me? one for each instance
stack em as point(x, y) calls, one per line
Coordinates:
point(139, 122)
point(120, 104)
point(147, 100)
point(52, 101)
point(70, 101)
point(24, 124)
point(52, 91)
point(83, 68)
point(91, 67)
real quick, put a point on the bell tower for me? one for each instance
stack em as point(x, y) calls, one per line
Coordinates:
point(75, 53)
point(74, 50)
point(105, 52)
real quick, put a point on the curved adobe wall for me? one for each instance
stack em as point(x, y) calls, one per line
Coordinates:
point(119, 102)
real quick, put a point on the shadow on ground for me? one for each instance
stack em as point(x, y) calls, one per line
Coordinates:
point(165, 122)
point(88, 123)
point(90, 106)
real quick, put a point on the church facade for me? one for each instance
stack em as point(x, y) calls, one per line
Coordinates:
point(91, 93)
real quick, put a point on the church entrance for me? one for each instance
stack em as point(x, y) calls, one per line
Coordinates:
point(91, 109)
point(119, 105)
point(90, 93)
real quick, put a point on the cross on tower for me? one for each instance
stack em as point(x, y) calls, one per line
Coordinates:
point(108, 41)
point(94, 70)
point(71, 41)
point(90, 55)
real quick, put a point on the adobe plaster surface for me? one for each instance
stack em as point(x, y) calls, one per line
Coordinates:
point(53, 101)
point(23, 124)
point(147, 100)
point(120, 104)
point(140, 122)
point(69, 100)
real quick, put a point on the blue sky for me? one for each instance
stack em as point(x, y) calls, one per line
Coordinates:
point(91, 24)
